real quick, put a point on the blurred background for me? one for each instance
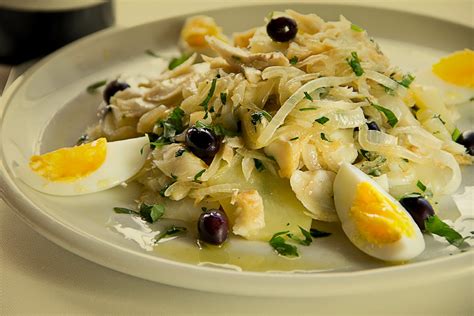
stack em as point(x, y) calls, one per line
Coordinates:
point(30, 29)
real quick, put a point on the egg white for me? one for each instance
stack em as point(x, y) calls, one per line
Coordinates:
point(451, 94)
point(123, 160)
point(345, 184)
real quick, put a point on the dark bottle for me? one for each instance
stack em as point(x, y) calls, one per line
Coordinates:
point(32, 29)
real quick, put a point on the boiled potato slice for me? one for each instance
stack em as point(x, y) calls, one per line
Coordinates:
point(283, 211)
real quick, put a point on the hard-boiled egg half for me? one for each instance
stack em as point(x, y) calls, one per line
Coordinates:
point(91, 167)
point(453, 76)
point(372, 219)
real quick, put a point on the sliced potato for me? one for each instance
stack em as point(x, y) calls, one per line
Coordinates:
point(283, 211)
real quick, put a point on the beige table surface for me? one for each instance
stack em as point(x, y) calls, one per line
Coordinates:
point(38, 277)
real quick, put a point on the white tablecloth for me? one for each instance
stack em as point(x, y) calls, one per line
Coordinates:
point(38, 277)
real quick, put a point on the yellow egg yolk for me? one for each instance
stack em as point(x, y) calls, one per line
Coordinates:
point(377, 219)
point(69, 164)
point(457, 68)
point(195, 30)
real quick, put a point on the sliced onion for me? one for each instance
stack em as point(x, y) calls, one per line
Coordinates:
point(292, 101)
point(346, 119)
point(385, 81)
point(447, 160)
point(385, 144)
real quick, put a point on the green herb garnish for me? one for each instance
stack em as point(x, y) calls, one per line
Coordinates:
point(172, 231)
point(218, 129)
point(124, 210)
point(406, 80)
point(223, 97)
point(198, 175)
point(308, 96)
point(258, 165)
point(354, 62)
point(257, 117)
point(93, 87)
point(281, 247)
point(175, 62)
point(356, 28)
point(180, 152)
point(307, 237)
point(435, 225)
point(456, 133)
point(205, 103)
point(322, 120)
point(323, 137)
point(165, 187)
point(171, 126)
point(315, 233)
point(421, 186)
point(391, 118)
point(308, 109)
point(294, 60)
point(294, 138)
point(438, 116)
point(151, 213)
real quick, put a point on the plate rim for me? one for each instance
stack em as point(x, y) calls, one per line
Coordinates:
point(96, 249)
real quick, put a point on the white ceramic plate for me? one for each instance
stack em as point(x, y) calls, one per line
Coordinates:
point(47, 108)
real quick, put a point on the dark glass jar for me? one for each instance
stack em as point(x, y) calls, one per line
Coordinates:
point(33, 28)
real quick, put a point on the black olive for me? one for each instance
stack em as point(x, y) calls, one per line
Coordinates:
point(112, 88)
point(419, 208)
point(467, 140)
point(282, 29)
point(213, 226)
point(202, 142)
point(373, 126)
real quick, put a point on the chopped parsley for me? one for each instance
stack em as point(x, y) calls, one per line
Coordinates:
point(175, 62)
point(124, 210)
point(354, 62)
point(323, 137)
point(421, 186)
point(257, 117)
point(180, 152)
point(406, 80)
point(281, 246)
point(438, 116)
point(93, 87)
point(456, 133)
point(294, 138)
point(152, 53)
point(307, 237)
point(151, 213)
point(165, 187)
point(435, 225)
point(218, 129)
point(198, 175)
point(170, 232)
point(308, 109)
point(308, 96)
point(223, 97)
point(322, 120)
point(205, 103)
point(258, 165)
point(315, 233)
point(356, 28)
point(171, 126)
point(293, 60)
point(391, 118)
